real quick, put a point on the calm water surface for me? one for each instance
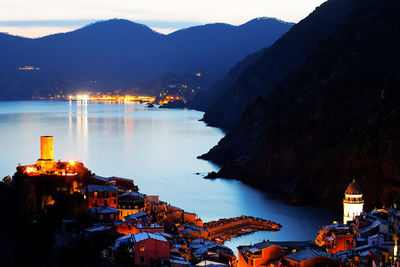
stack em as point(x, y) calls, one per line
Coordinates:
point(157, 148)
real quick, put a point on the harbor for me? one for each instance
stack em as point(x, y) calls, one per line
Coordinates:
point(226, 229)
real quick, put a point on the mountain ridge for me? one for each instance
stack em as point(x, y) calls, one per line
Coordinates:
point(334, 119)
point(107, 55)
point(281, 58)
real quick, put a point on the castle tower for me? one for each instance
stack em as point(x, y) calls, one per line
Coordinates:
point(46, 148)
point(353, 202)
point(46, 161)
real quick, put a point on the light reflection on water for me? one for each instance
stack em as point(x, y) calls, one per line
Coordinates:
point(155, 147)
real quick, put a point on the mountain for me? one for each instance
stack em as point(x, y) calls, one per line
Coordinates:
point(122, 54)
point(205, 98)
point(333, 119)
point(285, 56)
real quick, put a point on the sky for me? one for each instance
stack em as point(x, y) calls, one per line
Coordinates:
point(36, 18)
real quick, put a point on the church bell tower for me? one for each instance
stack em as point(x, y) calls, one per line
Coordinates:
point(353, 202)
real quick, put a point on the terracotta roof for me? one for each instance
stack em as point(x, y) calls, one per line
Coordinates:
point(353, 189)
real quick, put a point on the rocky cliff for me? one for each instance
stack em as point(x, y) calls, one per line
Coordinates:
point(277, 61)
point(334, 119)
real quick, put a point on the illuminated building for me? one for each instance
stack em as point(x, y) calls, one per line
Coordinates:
point(148, 249)
point(336, 237)
point(283, 253)
point(46, 161)
point(46, 164)
point(353, 202)
point(28, 68)
point(111, 99)
point(101, 195)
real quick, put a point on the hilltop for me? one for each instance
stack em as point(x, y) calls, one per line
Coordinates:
point(121, 54)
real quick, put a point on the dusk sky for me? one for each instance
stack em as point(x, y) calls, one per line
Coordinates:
point(41, 17)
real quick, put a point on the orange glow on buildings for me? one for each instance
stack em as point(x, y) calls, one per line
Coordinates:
point(46, 164)
point(28, 68)
point(108, 98)
point(170, 98)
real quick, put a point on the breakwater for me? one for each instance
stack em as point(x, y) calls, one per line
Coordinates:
point(225, 229)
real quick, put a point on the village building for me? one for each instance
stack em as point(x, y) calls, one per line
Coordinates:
point(368, 238)
point(268, 253)
point(192, 231)
point(131, 202)
point(310, 257)
point(150, 249)
point(336, 237)
point(104, 214)
point(181, 217)
point(124, 184)
point(147, 249)
point(205, 251)
point(156, 208)
point(100, 195)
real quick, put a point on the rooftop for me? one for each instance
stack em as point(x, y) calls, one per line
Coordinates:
point(133, 194)
point(309, 253)
point(145, 235)
point(353, 189)
point(136, 216)
point(104, 210)
point(101, 188)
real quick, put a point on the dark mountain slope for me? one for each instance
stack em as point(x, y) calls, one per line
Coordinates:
point(283, 57)
point(119, 53)
point(205, 98)
point(335, 119)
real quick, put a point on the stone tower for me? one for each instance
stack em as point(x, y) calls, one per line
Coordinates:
point(46, 161)
point(46, 148)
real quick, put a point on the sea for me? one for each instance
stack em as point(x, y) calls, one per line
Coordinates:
point(158, 149)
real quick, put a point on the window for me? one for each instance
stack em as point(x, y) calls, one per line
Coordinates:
point(141, 247)
point(95, 194)
point(95, 202)
point(105, 194)
point(112, 216)
point(142, 259)
point(105, 202)
point(115, 201)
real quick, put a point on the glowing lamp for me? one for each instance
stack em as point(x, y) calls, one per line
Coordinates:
point(72, 162)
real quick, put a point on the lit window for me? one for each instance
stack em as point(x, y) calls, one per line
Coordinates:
point(142, 248)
